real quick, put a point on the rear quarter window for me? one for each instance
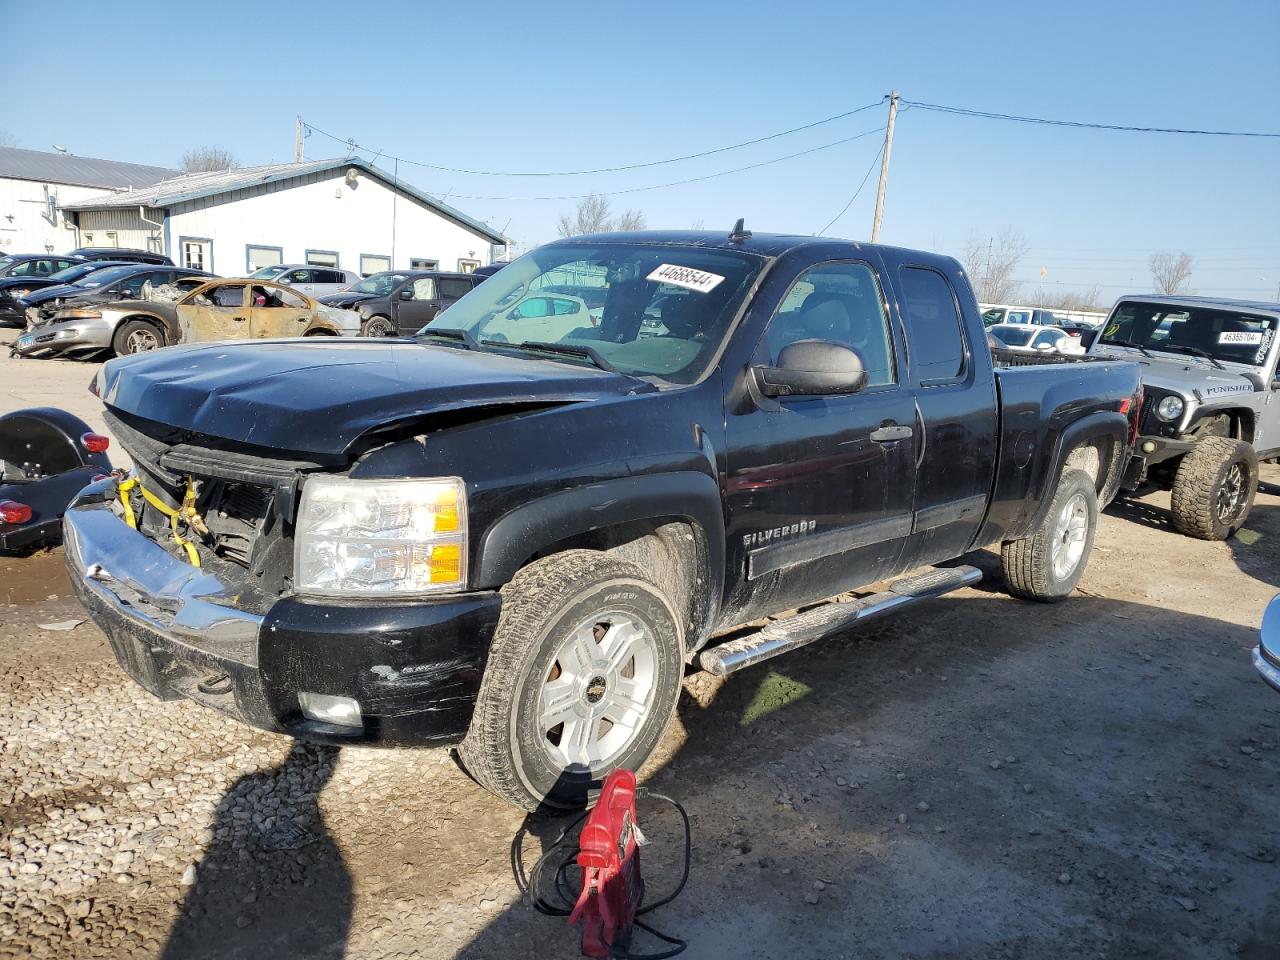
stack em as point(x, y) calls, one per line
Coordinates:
point(935, 336)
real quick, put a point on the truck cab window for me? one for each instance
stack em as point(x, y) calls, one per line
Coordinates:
point(934, 335)
point(839, 302)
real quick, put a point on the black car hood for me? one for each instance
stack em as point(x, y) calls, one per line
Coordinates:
point(45, 294)
point(9, 283)
point(347, 299)
point(320, 396)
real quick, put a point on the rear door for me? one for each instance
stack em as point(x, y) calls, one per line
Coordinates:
point(955, 416)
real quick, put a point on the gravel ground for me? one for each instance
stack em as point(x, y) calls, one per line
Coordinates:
point(978, 778)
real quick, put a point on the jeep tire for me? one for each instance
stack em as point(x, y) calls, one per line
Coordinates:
point(1214, 488)
point(583, 676)
point(1047, 565)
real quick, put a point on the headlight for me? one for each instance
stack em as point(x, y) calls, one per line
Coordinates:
point(82, 313)
point(374, 538)
point(20, 292)
point(1170, 408)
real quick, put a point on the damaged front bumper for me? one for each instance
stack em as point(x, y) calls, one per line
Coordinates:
point(1147, 452)
point(179, 631)
point(83, 336)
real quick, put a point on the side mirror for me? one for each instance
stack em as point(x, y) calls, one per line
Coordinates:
point(406, 293)
point(813, 368)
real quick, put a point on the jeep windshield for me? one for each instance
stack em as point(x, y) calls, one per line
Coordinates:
point(1210, 333)
point(647, 310)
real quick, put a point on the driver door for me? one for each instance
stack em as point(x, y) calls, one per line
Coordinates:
point(416, 304)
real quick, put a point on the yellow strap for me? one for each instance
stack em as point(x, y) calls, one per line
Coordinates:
point(186, 513)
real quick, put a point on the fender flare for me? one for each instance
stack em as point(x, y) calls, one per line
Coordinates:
point(49, 436)
point(1102, 424)
point(694, 497)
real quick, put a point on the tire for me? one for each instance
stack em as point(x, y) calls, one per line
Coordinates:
point(1047, 565)
point(547, 660)
point(378, 326)
point(133, 336)
point(1214, 488)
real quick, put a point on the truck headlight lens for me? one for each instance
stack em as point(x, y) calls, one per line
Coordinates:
point(375, 538)
point(1170, 408)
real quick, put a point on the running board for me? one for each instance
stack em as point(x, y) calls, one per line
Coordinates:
point(783, 636)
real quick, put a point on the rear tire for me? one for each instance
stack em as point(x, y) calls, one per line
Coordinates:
point(136, 336)
point(378, 327)
point(583, 675)
point(1046, 566)
point(1214, 488)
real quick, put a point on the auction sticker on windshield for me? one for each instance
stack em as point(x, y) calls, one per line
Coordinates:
point(1251, 337)
point(687, 277)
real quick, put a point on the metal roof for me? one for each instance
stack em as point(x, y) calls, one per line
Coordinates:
point(77, 171)
point(197, 186)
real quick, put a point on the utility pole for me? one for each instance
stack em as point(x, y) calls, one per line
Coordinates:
point(884, 166)
point(297, 139)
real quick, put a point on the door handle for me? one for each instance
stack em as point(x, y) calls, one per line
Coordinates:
point(238, 319)
point(891, 433)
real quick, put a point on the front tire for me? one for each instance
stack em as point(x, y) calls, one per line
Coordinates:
point(378, 327)
point(583, 675)
point(136, 336)
point(1046, 566)
point(1214, 488)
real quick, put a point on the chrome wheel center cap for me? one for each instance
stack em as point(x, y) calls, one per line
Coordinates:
point(595, 691)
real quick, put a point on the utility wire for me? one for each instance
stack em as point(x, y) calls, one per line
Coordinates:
point(630, 166)
point(964, 111)
point(865, 178)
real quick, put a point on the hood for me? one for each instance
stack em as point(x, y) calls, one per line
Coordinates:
point(319, 395)
point(45, 294)
point(1192, 378)
point(347, 299)
point(34, 283)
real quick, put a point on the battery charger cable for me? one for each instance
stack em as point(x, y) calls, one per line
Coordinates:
point(565, 856)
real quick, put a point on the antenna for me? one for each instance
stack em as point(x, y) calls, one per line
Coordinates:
point(739, 233)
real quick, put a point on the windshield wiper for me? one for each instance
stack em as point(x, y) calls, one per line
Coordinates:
point(1129, 343)
point(459, 336)
point(1195, 352)
point(567, 349)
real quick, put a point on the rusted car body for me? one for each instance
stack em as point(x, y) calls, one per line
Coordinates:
point(216, 310)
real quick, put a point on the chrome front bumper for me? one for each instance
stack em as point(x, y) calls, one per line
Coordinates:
point(65, 335)
point(1266, 655)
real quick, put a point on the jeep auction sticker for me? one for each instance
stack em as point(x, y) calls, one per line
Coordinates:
point(686, 277)
point(1251, 337)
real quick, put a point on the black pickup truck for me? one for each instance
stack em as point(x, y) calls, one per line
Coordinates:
point(516, 529)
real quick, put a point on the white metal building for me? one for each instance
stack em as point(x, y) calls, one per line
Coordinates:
point(35, 187)
point(343, 213)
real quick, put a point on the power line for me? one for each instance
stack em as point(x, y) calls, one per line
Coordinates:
point(865, 178)
point(630, 166)
point(964, 111)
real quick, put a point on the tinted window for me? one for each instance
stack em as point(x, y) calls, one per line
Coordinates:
point(933, 324)
point(840, 302)
point(454, 289)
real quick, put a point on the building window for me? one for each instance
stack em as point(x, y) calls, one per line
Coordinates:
point(258, 256)
point(322, 258)
point(197, 253)
point(373, 263)
point(467, 266)
point(422, 263)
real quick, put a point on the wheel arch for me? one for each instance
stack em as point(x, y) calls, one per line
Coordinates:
point(1103, 427)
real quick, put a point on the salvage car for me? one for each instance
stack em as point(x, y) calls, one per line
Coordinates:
point(1266, 655)
point(130, 255)
point(402, 301)
point(1029, 338)
point(520, 544)
point(303, 277)
point(213, 310)
point(13, 289)
point(118, 283)
point(1212, 411)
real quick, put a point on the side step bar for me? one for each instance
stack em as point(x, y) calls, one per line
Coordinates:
point(783, 636)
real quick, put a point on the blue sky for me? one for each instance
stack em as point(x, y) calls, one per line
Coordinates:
point(555, 86)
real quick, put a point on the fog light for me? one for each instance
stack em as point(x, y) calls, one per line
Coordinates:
point(343, 711)
point(1148, 446)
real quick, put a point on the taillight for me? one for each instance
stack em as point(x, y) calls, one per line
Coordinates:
point(95, 442)
point(13, 512)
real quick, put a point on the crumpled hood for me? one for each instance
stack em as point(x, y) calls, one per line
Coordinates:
point(45, 294)
point(1190, 378)
point(347, 299)
point(319, 395)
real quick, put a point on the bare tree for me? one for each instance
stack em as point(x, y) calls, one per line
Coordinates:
point(1170, 272)
point(7, 139)
point(594, 215)
point(207, 160)
point(1090, 300)
point(991, 262)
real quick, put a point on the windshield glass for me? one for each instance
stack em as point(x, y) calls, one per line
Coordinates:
point(1210, 332)
point(267, 273)
point(379, 283)
point(72, 274)
point(1011, 336)
point(647, 310)
point(993, 316)
point(100, 278)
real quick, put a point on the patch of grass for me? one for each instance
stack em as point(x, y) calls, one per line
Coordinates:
point(775, 691)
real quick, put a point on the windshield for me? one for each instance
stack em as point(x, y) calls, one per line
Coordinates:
point(379, 283)
point(993, 316)
point(100, 278)
point(267, 273)
point(646, 310)
point(1011, 336)
point(72, 274)
point(1210, 332)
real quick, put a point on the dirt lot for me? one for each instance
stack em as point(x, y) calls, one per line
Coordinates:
point(979, 778)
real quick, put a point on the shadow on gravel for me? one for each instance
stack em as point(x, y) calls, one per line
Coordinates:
point(1256, 548)
point(1099, 809)
point(272, 882)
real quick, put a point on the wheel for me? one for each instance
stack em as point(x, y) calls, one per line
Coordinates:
point(378, 327)
point(582, 677)
point(1214, 487)
point(136, 336)
point(1047, 565)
